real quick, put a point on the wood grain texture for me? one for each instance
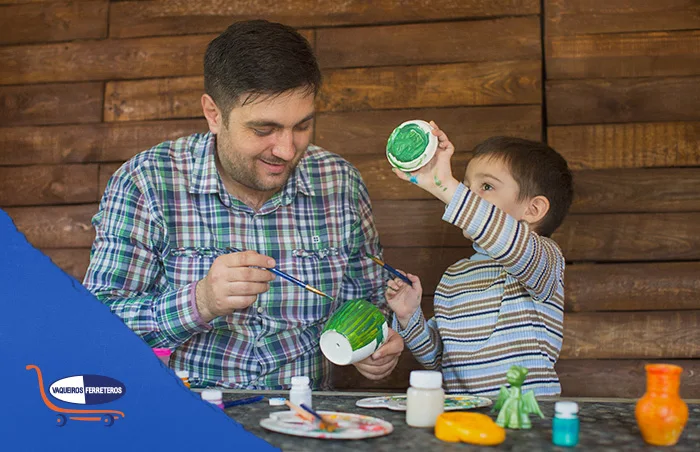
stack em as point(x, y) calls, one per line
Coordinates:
point(637, 145)
point(47, 22)
point(56, 226)
point(630, 237)
point(632, 287)
point(51, 104)
point(154, 99)
point(513, 38)
point(637, 190)
point(109, 59)
point(597, 101)
point(651, 54)
point(73, 261)
point(464, 84)
point(48, 185)
point(620, 378)
point(168, 17)
point(649, 335)
point(366, 132)
point(113, 142)
point(461, 84)
point(614, 16)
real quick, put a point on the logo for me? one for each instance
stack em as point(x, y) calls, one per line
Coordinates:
point(87, 389)
point(82, 390)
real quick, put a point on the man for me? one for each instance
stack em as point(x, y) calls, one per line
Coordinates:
point(170, 217)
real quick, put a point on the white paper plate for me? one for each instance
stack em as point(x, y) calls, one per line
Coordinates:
point(452, 402)
point(350, 426)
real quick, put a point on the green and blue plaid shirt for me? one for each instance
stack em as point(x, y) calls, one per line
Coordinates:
point(165, 216)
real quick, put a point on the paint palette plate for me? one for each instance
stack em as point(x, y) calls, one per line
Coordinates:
point(350, 426)
point(452, 402)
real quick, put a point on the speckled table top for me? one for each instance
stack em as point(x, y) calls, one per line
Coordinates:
point(606, 425)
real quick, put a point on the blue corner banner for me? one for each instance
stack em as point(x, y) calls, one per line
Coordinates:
point(74, 377)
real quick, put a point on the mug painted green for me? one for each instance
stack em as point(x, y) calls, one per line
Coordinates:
point(353, 333)
point(411, 145)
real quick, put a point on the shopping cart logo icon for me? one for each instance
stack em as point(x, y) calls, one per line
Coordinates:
point(84, 390)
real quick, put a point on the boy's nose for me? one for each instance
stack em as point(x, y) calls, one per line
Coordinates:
point(284, 148)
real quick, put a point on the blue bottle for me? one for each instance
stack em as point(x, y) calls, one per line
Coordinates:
point(565, 425)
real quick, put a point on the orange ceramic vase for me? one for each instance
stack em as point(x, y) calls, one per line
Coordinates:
point(661, 413)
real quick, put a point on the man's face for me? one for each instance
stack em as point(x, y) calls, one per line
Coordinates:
point(262, 142)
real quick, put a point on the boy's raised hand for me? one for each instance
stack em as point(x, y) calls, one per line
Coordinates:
point(436, 176)
point(404, 299)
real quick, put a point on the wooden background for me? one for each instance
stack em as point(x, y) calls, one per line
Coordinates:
point(613, 85)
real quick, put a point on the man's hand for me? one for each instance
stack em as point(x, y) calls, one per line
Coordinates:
point(382, 362)
point(233, 283)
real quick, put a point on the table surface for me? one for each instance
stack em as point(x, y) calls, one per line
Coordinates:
point(606, 424)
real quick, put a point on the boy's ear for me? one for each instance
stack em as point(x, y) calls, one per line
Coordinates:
point(212, 114)
point(536, 210)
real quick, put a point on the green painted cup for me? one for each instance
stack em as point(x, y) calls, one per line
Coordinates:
point(411, 145)
point(353, 333)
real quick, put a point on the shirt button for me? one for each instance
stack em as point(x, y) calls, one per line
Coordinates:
point(260, 310)
point(260, 344)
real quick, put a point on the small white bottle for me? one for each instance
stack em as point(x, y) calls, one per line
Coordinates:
point(300, 392)
point(425, 399)
point(213, 396)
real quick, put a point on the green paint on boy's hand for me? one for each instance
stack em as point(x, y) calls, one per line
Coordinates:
point(437, 181)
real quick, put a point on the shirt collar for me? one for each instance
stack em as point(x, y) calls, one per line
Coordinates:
point(205, 176)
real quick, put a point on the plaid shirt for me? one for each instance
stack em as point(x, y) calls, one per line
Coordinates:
point(165, 216)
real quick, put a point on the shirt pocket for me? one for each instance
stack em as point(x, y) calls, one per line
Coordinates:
point(189, 264)
point(319, 263)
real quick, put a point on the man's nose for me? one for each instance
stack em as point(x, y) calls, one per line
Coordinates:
point(284, 147)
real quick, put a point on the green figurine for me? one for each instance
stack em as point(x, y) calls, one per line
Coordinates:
point(515, 406)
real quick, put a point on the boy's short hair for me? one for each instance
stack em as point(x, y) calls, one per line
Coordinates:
point(258, 58)
point(539, 170)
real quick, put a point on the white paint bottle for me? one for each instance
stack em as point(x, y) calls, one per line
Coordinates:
point(425, 399)
point(300, 392)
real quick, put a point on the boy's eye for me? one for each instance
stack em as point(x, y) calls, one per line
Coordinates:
point(262, 132)
point(486, 187)
point(303, 127)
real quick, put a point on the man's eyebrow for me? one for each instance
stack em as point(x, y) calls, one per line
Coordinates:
point(265, 123)
point(490, 176)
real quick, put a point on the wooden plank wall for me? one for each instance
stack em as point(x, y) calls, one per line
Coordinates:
point(86, 85)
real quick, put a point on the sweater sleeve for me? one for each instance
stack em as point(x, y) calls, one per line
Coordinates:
point(422, 338)
point(535, 261)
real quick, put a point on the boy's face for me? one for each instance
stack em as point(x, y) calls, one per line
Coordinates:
point(490, 178)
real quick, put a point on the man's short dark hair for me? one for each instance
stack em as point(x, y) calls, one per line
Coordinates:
point(258, 58)
point(539, 170)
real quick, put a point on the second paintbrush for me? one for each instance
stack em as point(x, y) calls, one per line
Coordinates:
point(289, 278)
point(390, 269)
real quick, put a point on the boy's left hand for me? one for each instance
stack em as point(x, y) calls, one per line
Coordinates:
point(436, 176)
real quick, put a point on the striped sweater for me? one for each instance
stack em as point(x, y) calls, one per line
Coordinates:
point(504, 306)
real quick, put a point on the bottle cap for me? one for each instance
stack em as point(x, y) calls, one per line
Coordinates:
point(212, 395)
point(162, 351)
point(300, 381)
point(566, 408)
point(182, 374)
point(426, 379)
point(277, 401)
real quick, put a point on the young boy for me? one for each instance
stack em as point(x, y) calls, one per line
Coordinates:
point(503, 306)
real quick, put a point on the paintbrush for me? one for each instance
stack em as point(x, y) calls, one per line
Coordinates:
point(326, 424)
point(390, 269)
point(289, 278)
point(301, 413)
